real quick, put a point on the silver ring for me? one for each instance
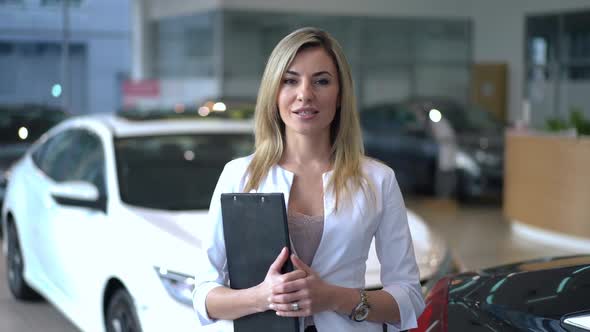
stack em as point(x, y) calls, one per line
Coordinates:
point(295, 306)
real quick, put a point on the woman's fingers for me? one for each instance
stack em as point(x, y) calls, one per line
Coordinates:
point(294, 309)
point(279, 261)
point(293, 275)
point(289, 287)
point(300, 265)
point(288, 297)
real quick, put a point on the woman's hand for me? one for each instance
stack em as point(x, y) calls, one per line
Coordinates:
point(309, 292)
point(273, 279)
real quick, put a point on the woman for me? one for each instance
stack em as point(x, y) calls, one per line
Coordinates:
point(309, 147)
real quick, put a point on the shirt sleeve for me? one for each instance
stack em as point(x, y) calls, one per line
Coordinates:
point(399, 272)
point(211, 260)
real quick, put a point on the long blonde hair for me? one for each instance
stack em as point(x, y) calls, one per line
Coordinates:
point(345, 133)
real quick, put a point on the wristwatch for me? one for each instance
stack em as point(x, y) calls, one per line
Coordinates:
point(361, 311)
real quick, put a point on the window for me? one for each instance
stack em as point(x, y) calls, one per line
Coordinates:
point(392, 58)
point(89, 163)
point(54, 157)
point(175, 172)
point(72, 155)
point(185, 46)
point(557, 64)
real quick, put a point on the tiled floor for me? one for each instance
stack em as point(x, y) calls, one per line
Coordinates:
point(478, 233)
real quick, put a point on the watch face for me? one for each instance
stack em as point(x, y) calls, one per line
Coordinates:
point(361, 314)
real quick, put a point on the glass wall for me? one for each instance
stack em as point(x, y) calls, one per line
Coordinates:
point(558, 65)
point(391, 58)
point(29, 74)
point(185, 46)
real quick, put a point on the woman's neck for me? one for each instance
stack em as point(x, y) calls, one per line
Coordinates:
point(306, 151)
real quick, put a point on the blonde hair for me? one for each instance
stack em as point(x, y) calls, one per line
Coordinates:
point(345, 133)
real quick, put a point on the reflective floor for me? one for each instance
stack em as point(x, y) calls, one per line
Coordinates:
point(478, 234)
point(28, 316)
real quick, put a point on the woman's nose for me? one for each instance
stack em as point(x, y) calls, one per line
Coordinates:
point(305, 92)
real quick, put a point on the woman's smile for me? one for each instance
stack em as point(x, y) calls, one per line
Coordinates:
point(306, 113)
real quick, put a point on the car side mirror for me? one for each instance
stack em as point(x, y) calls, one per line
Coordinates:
point(78, 193)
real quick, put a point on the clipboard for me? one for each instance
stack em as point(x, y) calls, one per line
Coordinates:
point(255, 229)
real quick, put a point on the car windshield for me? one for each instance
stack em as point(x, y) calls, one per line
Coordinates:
point(175, 172)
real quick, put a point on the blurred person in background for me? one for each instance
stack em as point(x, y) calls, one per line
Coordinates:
point(309, 147)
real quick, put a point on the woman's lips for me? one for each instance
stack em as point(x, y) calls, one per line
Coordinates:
point(306, 112)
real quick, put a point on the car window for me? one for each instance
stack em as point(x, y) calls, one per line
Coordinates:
point(390, 117)
point(40, 151)
point(54, 156)
point(88, 160)
point(175, 172)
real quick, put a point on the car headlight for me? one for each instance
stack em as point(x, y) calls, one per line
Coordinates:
point(179, 286)
point(466, 162)
point(430, 260)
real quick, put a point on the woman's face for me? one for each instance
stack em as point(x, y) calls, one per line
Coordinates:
point(309, 93)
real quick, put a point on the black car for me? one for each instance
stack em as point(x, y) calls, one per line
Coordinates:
point(20, 126)
point(548, 295)
point(408, 137)
point(395, 134)
point(480, 143)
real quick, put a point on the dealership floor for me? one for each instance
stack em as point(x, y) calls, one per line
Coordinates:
point(478, 234)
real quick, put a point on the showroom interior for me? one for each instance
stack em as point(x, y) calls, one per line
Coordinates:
point(517, 71)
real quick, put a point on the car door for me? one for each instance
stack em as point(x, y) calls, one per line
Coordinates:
point(46, 161)
point(77, 232)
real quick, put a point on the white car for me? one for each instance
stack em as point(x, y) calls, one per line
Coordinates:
point(101, 217)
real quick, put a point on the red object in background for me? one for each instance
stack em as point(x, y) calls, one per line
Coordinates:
point(144, 88)
point(435, 315)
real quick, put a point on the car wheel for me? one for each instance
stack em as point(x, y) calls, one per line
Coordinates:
point(121, 315)
point(15, 267)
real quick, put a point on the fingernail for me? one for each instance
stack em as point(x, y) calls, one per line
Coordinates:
point(269, 299)
point(271, 306)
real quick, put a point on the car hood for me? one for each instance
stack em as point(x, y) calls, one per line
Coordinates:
point(430, 250)
point(177, 234)
point(521, 296)
point(171, 238)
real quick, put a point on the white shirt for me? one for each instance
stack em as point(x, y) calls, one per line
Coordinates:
point(343, 250)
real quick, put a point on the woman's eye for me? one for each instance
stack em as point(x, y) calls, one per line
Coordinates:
point(289, 81)
point(323, 81)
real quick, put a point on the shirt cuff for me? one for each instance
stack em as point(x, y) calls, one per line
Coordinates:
point(408, 309)
point(199, 304)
